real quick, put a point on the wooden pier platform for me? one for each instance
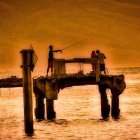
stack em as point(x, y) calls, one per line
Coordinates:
point(49, 87)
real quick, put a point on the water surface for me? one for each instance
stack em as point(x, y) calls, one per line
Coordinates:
point(78, 114)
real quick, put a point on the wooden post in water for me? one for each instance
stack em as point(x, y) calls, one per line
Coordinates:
point(115, 111)
point(50, 109)
point(39, 110)
point(105, 107)
point(117, 89)
point(27, 90)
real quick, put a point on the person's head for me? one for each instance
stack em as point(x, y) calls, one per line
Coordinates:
point(93, 51)
point(97, 51)
point(51, 47)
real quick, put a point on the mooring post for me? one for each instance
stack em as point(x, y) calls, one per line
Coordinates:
point(50, 109)
point(27, 90)
point(105, 107)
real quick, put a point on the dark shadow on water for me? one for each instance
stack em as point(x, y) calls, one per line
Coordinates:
point(65, 122)
point(55, 121)
point(106, 119)
point(30, 136)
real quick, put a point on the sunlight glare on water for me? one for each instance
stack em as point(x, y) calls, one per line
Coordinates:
point(78, 114)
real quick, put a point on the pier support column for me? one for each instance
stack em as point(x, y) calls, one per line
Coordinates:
point(105, 107)
point(115, 111)
point(39, 110)
point(50, 109)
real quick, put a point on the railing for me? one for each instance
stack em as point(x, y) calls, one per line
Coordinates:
point(60, 65)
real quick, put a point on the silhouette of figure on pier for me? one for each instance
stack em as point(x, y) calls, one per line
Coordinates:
point(101, 58)
point(51, 59)
point(93, 55)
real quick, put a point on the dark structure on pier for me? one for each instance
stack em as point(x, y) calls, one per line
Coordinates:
point(12, 81)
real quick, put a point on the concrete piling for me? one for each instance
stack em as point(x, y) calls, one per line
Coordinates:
point(40, 109)
point(105, 107)
point(115, 111)
point(50, 109)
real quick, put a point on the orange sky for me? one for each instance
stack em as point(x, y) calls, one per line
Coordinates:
point(113, 26)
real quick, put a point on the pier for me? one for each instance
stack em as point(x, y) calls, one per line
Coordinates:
point(48, 88)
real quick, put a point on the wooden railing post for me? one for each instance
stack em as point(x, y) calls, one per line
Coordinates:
point(27, 90)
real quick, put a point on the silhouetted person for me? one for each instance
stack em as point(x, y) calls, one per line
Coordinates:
point(51, 58)
point(101, 58)
point(93, 55)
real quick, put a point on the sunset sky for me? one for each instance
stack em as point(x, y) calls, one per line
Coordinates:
point(112, 26)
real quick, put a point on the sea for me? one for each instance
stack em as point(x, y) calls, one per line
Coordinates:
point(78, 113)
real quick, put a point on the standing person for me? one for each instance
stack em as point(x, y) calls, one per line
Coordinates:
point(93, 55)
point(51, 58)
point(101, 58)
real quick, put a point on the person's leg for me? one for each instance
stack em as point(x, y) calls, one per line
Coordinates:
point(103, 68)
point(51, 70)
point(48, 68)
point(104, 72)
point(100, 68)
point(51, 66)
point(93, 68)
